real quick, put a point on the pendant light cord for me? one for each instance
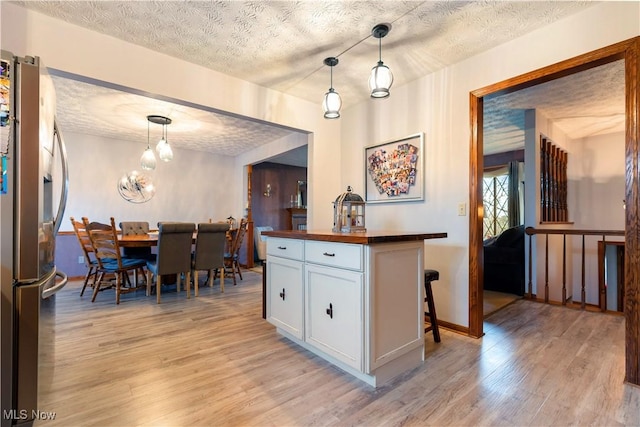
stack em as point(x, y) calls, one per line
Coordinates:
point(331, 73)
point(357, 43)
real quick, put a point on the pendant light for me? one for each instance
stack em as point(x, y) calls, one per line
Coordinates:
point(381, 77)
point(166, 153)
point(148, 159)
point(163, 148)
point(332, 102)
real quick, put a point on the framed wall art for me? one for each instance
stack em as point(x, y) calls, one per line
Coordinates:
point(395, 170)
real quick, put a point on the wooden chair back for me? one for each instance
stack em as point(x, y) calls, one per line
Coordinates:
point(84, 240)
point(239, 237)
point(104, 239)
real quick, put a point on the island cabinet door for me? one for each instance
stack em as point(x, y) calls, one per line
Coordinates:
point(285, 297)
point(333, 321)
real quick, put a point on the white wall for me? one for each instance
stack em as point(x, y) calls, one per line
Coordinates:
point(598, 193)
point(437, 104)
point(599, 182)
point(194, 186)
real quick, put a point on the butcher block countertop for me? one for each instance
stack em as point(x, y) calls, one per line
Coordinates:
point(369, 237)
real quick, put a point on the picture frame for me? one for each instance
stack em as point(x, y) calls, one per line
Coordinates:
point(394, 170)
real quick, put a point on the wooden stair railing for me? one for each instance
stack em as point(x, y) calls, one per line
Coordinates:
point(531, 231)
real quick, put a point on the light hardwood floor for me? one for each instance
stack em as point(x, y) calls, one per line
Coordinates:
point(213, 361)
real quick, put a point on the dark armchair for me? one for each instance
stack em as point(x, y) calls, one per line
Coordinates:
point(504, 262)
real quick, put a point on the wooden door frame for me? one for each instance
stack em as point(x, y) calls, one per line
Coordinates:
point(629, 51)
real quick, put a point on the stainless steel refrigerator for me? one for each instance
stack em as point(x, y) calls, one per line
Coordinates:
point(30, 146)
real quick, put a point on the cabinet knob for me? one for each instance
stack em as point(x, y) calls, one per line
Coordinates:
point(330, 310)
point(283, 248)
point(328, 254)
point(282, 295)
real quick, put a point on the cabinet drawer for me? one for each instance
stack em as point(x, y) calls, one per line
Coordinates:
point(285, 248)
point(340, 255)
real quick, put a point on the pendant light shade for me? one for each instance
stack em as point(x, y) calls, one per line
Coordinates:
point(381, 77)
point(166, 153)
point(160, 145)
point(148, 159)
point(332, 102)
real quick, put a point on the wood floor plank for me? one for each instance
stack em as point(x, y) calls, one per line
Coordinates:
point(213, 361)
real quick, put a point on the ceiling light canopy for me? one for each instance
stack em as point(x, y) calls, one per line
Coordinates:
point(332, 102)
point(381, 77)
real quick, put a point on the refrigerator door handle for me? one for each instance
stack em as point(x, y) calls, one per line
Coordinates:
point(65, 179)
point(46, 293)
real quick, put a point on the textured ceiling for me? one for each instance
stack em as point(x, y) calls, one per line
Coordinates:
point(96, 110)
point(287, 41)
point(584, 104)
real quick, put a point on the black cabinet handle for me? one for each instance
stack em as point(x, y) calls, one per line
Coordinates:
point(330, 310)
point(328, 254)
point(282, 294)
point(282, 247)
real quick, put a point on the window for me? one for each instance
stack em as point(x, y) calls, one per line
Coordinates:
point(495, 196)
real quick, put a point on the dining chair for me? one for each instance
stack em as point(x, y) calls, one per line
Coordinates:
point(261, 242)
point(104, 239)
point(231, 257)
point(209, 252)
point(137, 228)
point(174, 255)
point(89, 255)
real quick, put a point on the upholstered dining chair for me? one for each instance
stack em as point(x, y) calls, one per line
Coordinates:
point(174, 255)
point(136, 228)
point(209, 252)
point(104, 239)
point(89, 255)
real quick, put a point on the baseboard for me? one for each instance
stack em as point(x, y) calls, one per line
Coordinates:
point(453, 327)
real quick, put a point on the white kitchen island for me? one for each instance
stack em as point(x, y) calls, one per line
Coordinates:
point(354, 299)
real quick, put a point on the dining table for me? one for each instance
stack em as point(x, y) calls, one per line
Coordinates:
point(151, 239)
point(139, 240)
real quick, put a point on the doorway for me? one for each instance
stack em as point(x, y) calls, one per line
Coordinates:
point(628, 51)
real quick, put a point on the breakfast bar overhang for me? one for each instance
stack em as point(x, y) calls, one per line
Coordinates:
point(354, 299)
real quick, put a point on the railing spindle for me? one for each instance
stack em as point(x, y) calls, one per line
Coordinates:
point(533, 231)
point(546, 269)
point(564, 269)
point(583, 294)
point(530, 284)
